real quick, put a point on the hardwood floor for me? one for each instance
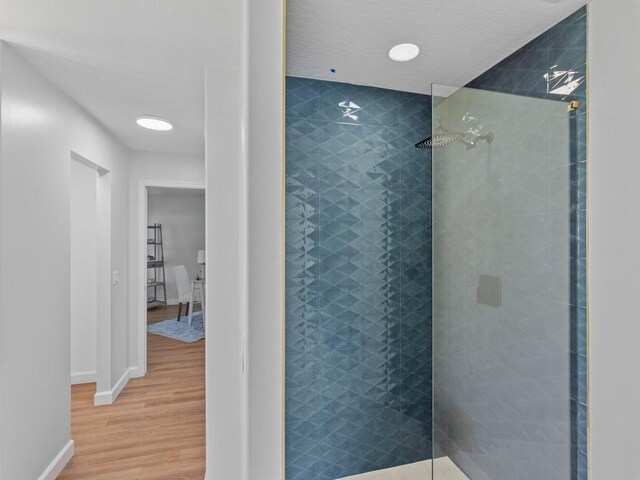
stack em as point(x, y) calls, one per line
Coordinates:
point(155, 429)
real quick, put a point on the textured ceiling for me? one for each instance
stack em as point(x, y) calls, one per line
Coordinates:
point(458, 39)
point(123, 58)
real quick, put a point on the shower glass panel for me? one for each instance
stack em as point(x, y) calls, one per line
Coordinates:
point(502, 276)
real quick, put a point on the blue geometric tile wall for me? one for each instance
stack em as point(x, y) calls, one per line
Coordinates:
point(358, 279)
point(554, 66)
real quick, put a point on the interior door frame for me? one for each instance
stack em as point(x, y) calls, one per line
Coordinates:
point(103, 282)
point(141, 244)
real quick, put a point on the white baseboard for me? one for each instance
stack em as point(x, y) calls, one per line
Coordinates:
point(136, 372)
point(120, 384)
point(83, 377)
point(108, 397)
point(102, 398)
point(444, 467)
point(57, 464)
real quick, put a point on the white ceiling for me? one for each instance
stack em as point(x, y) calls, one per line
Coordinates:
point(458, 39)
point(123, 58)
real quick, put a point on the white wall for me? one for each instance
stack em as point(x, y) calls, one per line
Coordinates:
point(244, 164)
point(614, 235)
point(266, 240)
point(226, 279)
point(84, 273)
point(164, 166)
point(181, 214)
point(150, 167)
point(39, 127)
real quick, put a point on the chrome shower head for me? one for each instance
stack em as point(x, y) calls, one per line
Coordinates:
point(440, 140)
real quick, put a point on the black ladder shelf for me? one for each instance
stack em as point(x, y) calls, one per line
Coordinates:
point(155, 267)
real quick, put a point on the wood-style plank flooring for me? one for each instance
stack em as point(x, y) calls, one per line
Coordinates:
point(155, 429)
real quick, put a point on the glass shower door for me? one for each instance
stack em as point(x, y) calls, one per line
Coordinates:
point(502, 273)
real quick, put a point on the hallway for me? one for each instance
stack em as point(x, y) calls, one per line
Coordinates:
point(155, 429)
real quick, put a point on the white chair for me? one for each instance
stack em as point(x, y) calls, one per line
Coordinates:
point(184, 289)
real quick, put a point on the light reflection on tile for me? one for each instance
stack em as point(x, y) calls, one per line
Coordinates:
point(358, 254)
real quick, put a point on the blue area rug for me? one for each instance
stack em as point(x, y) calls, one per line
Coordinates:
point(180, 330)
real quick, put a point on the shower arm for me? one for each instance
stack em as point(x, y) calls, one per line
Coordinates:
point(440, 131)
point(471, 144)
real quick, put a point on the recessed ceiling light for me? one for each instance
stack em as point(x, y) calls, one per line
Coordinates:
point(154, 123)
point(404, 52)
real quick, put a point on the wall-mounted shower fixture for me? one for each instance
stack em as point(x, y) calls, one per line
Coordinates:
point(471, 144)
point(443, 137)
point(440, 140)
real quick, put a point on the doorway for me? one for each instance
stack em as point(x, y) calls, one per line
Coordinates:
point(90, 289)
point(84, 277)
point(175, 251)
point(186, 194)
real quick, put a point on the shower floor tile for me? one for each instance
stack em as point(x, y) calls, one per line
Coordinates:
point(445, 469)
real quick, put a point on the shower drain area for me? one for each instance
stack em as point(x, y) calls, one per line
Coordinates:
point(442, 469)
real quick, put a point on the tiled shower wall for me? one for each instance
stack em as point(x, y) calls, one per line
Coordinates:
point(554, 66)
point(358, 279)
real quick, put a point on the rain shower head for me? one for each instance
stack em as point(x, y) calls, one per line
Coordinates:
point(440, 140)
